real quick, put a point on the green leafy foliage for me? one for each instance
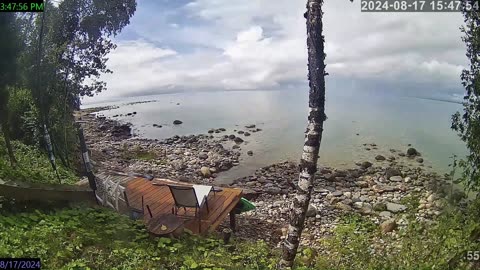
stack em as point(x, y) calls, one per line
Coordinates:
point(32, 166)
point(24, 115)
point(468, 124)
point(102, 239)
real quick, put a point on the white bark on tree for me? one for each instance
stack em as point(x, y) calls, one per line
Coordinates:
point(313, 135)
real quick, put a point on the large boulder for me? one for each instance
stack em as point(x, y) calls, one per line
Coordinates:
point(412, 152)
point(311, 211)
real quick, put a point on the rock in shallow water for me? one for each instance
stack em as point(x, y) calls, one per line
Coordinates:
point(177, 122)
point(412, 152)
point(366, 164)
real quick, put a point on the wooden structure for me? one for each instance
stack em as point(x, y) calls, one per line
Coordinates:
point(157, 196)
point(22, 191)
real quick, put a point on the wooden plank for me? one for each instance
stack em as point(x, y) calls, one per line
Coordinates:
point(140, 188)
point(225, 212)
point(227, 200)
point(164, 202)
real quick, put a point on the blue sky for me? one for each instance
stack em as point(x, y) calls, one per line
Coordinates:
point(173, 45)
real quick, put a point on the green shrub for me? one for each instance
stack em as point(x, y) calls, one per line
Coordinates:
point(33, 166)
point(444, 244)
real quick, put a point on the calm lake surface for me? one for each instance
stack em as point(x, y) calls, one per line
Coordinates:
point(388, 121)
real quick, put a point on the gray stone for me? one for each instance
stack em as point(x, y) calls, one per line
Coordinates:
point(362, 184)
point(396, 178)
point(366, 164)
point(179, 165)
point(419, 160)
point(358, 205)
point(343, 207)
point(250, 153)
point(379, 207)
point(366, 208)
point(380, 158)
point(337, 193)
point(277, 203)
point(203, 156)
point(389, 172)
point(177, 122)
point(395, 207)
point(273, 190)
point(238, 140)
point(385, 214)
point(311, 211)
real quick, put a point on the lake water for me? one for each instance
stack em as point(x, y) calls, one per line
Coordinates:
point(388, 121)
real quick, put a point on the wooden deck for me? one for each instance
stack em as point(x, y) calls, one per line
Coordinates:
point(158, 197)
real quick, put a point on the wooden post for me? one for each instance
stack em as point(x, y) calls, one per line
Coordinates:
point(86, 160)
point(232, 220)
point(227, 233)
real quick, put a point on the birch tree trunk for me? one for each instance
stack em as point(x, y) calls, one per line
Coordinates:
point(313, 136)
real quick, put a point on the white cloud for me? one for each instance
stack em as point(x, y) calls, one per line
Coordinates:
point(240, 44)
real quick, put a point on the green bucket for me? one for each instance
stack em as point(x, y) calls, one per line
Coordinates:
point(244, 205)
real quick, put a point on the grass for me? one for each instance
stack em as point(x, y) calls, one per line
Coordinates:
point(137, 153)
point(87, 238)
point(33, 166)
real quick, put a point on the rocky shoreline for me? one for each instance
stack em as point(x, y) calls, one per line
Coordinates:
point(376, 189)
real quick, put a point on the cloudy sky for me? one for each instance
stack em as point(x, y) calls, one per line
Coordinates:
point(182, 45)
